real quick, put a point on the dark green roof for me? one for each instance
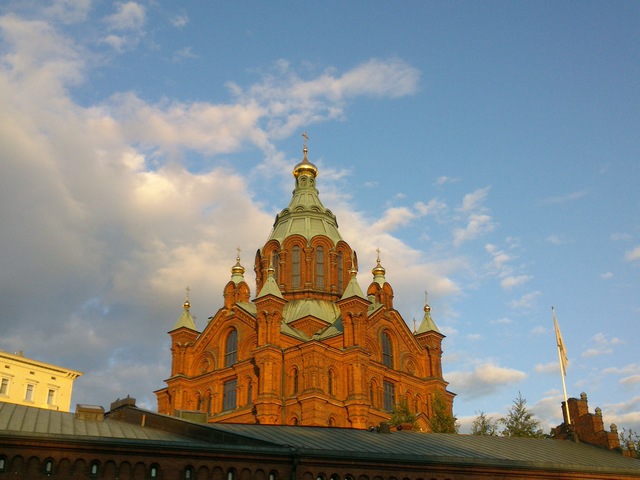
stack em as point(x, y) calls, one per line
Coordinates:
point(408, 448)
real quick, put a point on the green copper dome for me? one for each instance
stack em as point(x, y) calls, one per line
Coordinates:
point(305, 214)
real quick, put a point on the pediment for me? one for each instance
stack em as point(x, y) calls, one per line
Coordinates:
point(309, 325)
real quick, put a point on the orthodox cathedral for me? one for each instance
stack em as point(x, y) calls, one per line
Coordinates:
point(311, 348)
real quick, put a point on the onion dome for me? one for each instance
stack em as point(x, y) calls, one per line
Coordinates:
point(305, 215)
point(378, 272)
point(237, 271)
point(305, 167)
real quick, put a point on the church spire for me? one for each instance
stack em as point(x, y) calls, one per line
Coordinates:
point(427, 325)
point(270, 287)
point(185, 320)
point(353, 287)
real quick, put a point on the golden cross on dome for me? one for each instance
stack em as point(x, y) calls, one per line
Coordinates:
point(306, 138)
point(238, 255)
point(426, 297)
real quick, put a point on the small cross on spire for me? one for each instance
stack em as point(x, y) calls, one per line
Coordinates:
point(306, 137)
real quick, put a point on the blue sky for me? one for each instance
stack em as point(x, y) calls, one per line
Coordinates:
point(489, 149)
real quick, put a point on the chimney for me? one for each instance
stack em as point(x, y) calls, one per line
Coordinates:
point(89, 412)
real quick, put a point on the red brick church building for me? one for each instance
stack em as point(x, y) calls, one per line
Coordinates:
point(310, 348)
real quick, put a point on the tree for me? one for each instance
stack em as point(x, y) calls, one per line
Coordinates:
point(521, 422)
point(629, 437)
point(401, 414)
point(484, 425)
point(441, 421)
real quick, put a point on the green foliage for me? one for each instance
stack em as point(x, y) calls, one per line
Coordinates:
point(484, 425)
point(441, 420)
point(521, 422)
point(401, 414)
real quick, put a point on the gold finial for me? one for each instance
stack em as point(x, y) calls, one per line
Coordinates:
point(237, 269)
point(353, 270)
point(427, 308)
point(305, 166)
point(186, 303)
point(378, 270)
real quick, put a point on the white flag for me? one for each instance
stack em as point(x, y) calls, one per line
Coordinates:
point(562, 351)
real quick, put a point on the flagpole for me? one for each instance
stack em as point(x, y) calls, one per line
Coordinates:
point(563, 370)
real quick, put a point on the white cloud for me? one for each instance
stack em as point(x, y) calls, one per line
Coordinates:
point(551, 367)
point(624, 414)
point(604, 345)
point(607, 276)
point(525, 302)
point(539, 330)
point(68, 11)
point(569, 197)
point(180, 21)
point(186, 52)
point(126, 26)
point(118, 227)
point(306, 102)
point(128, 16)
point(486, 379)
point(444, 179)
point(514, 281)
point(502, 321)
point(557, 240)
point(477, 225)
point(616, 237)
point(433, 207)
point(473, 201)
point(632, 255)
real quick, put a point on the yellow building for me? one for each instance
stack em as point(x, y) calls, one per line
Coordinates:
point(37, 384)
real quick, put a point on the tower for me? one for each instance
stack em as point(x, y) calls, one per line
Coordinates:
point(310, 348)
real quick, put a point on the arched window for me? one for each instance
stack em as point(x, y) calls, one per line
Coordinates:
point(273, 475)
point(231, 350)
point(389, 396)
point(320, 267)
point(231, 474)
point(229, 394)
point(295, 381)
point(93, 470)
point(275, 263)
point(295, 266)
point(209, 403)
point(153, 473)
point(372, 395)
point(340, 273)
point(250, 392)
point(188, 473)
point(331, 382)
point(3, 464)
point(387, 350)
point(48, 467)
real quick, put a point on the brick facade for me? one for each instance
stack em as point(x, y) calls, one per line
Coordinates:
point(310, 348)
